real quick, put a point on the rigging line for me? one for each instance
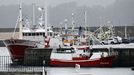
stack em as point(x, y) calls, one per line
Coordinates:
point(15, 27)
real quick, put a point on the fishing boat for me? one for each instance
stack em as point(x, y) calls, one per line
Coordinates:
point(69, 57)
point(17, 48)
point(29, 37)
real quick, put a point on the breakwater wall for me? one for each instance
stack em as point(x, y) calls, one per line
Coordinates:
point(125, 57)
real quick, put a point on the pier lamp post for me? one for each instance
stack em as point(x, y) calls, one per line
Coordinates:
point(44, 72)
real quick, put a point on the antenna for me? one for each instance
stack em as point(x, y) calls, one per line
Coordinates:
point(46, 14)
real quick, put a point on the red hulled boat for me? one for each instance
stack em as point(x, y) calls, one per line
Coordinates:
point(17, 48)
point(102, 62)
point(70, 57)
point(29, 37)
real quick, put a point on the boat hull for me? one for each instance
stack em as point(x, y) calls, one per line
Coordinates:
point(102, 62)
point(17, 48)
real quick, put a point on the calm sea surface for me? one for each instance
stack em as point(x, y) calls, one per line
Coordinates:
point(80, 71)
point(89, 71)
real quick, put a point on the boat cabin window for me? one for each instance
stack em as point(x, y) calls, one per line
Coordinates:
point(34, 34)
point(50, 33)
point(40, 33)
point(97, 50)
point(37, 34)
point(24, 34)
point(29, 34)
point(65, 51)
point(43, 34)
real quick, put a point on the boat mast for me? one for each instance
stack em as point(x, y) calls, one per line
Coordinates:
point(125, 32)
point(33, 14)
point(101, 29)
point(46, 14)
point(66, 27)
point(20, 20)
point(85, 14)
point(42, 11)
point(41, 17)
point(73, 21)
point(112, 29)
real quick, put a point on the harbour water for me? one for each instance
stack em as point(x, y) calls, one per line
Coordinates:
point(89, 71)
point(77, 70)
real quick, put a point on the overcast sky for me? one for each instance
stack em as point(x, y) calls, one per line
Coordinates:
point(56, 2)
point(120, 12)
